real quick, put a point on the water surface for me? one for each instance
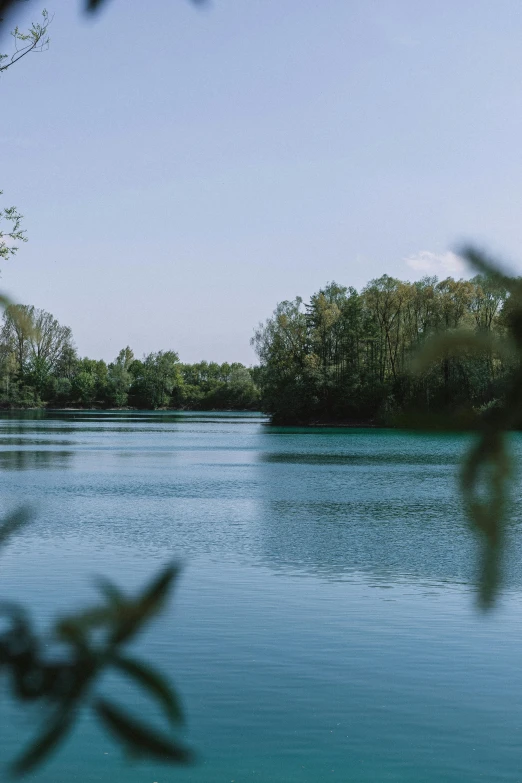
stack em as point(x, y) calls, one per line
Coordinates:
point(324, 627)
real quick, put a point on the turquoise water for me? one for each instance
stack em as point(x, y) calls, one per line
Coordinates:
point(324, 626)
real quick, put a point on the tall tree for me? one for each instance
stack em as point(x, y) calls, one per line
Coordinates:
point(16, 332)
point(119, 378)
point(48, 339)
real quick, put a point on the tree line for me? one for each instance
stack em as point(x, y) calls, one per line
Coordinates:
point(347, 355)
point(39, 365)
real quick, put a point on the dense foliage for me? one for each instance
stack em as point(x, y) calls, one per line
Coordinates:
point(347, 355)
point(39, 366)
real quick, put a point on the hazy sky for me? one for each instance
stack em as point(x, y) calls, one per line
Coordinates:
point(181, 171)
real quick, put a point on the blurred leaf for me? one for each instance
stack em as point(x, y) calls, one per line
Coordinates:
point(484, 480)
point(75, 629)
point(459, 421)
point(96, 617)
point(460, 343)
point(14, 522)
point(94, 5)
point(488, 266)
point(92, 639)
point(132, 618)
point(155, 595)
point(67, 631)
point(487, 468)
point(140, 739)
point(41, 748)
point(153, 682)
point(112, 593)
point(91, 6)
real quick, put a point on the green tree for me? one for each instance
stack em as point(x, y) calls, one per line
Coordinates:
point(155, 378)
point(119, 378)
point(282, 344)
point(89, 381)
point(242, 391)
point(37, 343)
point(83, 386)
point(355, 351)
point(16, 333)
point(49, 345)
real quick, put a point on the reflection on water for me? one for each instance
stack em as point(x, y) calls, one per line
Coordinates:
point(49, 418)
point(323, 458)
point(35, 459)
point(325, 503)
point(19, 441)
point(294, 663)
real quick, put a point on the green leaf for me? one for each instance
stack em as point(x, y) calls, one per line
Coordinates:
point(94, 5)
point(157, 592)
point(461, 421)
point(47, 741)
point(138, 738)
point(112, 593)
point(145, 606)
point(484, 481)
point(460, 343)
point(75, 628)
point(14, 522)
point(155, 683)
point(488, 266)
point(4, 301)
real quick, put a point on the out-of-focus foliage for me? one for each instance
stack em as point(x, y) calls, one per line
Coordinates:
point(60, 672)
point(8, 6)
point(487, 467)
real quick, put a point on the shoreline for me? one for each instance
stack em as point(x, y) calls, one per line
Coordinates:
point(440, 424)
point(338, 423)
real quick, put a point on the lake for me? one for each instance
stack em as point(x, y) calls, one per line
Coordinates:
point(324, 627)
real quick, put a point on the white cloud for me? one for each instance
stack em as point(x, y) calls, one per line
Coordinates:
point(440, 264)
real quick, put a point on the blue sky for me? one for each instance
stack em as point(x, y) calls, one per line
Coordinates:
point(181, 171)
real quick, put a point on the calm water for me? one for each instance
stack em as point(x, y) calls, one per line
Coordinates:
point(324, 627)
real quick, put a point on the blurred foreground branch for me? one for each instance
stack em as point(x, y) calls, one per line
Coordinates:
point(60, 671)
point(7, 7)
point(487, 467)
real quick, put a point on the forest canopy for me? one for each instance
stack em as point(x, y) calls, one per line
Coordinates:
point(39, 365)
point(347, 355)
